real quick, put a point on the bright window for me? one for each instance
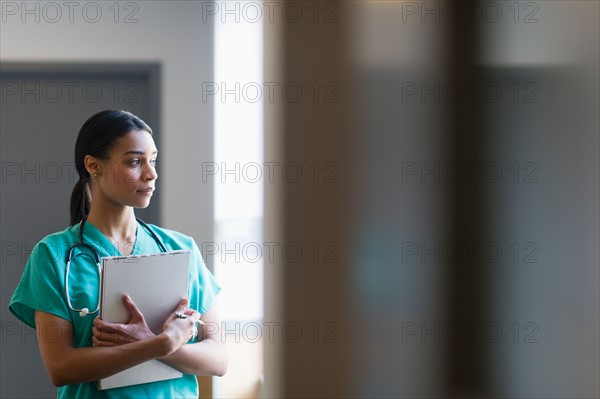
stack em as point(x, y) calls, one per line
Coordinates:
point(239, 177)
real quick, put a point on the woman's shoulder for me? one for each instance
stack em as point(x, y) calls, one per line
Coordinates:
point(53, 245)
point(65, 236)
point(172, 238)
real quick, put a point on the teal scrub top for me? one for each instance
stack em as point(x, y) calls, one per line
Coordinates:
point(42, 287)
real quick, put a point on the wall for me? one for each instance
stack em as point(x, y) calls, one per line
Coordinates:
point(169, 32)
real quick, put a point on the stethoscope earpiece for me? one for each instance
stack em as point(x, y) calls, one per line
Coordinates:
point(84, 312)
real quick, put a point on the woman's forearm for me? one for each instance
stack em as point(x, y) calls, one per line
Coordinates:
point(202, 358)
point(207, 357)
point(78, 365)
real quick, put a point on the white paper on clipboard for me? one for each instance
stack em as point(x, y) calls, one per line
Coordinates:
point(156, 283)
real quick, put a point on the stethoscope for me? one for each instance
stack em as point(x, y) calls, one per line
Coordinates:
point(85, 311)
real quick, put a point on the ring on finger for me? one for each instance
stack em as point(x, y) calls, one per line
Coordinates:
point(181, 315)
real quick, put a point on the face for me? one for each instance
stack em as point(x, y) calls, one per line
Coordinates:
point(128, 176)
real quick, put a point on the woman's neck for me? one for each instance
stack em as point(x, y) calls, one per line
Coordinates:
point(117, 225)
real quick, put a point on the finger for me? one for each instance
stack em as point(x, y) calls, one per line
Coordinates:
point(103, 335)
point(117, 329)
point(183, 305)
point(190, 311)
point(193, 330)
point(107, 327)
point(133, 309)
point(96, 332)
point(98, 322)
point(193, 315)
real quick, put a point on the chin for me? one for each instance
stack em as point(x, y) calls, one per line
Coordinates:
point(141, 205)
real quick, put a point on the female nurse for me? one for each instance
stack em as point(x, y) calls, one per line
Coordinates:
point(115, 157)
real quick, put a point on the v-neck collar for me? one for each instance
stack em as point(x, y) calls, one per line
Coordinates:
point(96, 235)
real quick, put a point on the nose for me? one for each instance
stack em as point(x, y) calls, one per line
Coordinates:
point(149, 172)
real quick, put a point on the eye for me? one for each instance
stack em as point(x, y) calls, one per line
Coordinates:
point(135, 162)
point(153, 162)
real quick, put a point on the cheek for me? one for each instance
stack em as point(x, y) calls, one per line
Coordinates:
point(124, 175)
point(128, 175)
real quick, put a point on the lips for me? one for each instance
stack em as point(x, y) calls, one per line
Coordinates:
point(146, 190)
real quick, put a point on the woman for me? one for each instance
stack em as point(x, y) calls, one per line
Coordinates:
point(115, 157)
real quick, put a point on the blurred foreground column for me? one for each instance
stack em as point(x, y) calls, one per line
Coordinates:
point(307, 146)
point(370, 307)
point(439, 174)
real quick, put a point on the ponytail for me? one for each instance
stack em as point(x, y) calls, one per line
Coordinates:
point(80, 201)
point(96, 138)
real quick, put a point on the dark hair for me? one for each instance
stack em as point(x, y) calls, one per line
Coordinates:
point(96, 138)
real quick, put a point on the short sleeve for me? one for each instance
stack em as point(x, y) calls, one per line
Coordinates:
point(41, 288)
point(204, 285)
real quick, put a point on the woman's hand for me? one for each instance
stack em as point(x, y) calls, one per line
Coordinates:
point(111, 334)
point(180, 329)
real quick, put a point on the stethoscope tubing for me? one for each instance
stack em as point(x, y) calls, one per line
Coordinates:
point(85, 311)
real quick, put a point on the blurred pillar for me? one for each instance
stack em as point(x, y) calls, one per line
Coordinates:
point(306, 217)
point(465, 373)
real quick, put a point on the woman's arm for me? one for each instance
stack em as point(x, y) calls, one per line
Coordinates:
point(206, 357)
point(69, 365)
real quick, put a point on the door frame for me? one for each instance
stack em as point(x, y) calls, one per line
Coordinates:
point(150, 70)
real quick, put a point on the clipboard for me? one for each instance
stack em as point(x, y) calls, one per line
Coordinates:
point(156, 283)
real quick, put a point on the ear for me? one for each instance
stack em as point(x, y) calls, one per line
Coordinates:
point(92, 165)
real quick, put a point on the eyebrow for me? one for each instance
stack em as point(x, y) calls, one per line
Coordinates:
point(138, 152)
